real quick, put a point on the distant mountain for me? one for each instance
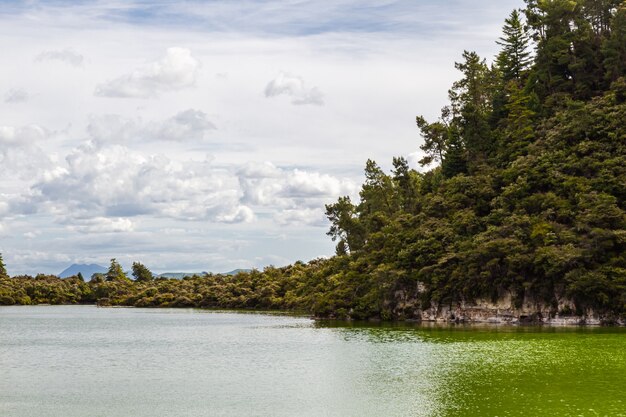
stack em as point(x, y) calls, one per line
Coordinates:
point(236, 271)
point(179, 275)
point(86, 270)
point(89, 270)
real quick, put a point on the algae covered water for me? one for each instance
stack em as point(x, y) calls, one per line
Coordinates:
point(86, 361)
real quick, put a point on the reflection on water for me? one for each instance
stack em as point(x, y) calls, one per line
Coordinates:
point(481, 370)
point(77, 361)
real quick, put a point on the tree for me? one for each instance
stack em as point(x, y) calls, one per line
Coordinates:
point(345, 226)
point(141, 272)
point(471, 98)
point(473, 89)
point(435, 136)
point(97, 278)
point(377, 192)
point(455, 161)
point(115, 272)
point(573, 53)
point(3, 270)
point(514, 58)
point(80, 276)
point(519, 131)
point(443, 143)
point(614, 47)
point(407, 182)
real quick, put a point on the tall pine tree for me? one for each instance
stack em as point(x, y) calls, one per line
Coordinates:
point(3, 270)
point(515, 56)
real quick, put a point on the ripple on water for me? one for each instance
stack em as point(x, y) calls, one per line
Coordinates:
point(76, 361)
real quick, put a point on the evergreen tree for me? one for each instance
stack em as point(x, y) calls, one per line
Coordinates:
point(345, 226)
point(471, 92)
point(471, 99)
point(407, 182)
point(456, 161)
point(552, 23)
point(436, 138)
point(443, 143)
point(115, 272)
point(519, 129)
point(514, 58)
point(573, 57)
point(376, 195)
point(3, 270)
point(141, 272)
point(614, 47)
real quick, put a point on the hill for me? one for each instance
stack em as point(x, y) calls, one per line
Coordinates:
point(86, 270)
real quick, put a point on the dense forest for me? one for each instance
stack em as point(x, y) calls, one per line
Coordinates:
point(523, 193)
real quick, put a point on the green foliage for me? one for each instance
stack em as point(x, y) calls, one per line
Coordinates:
point(141, 272)
point(514, 59)
point(3, 270)
point(115, 272)
point(614, 46)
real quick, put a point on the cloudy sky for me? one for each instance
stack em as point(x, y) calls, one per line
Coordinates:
point(207, 136)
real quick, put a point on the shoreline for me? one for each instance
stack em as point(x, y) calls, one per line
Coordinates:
point(503, 320)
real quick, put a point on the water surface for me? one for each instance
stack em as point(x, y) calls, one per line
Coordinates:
point(71, 361)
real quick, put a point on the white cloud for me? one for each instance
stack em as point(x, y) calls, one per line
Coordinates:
point(294, 87)
point(4, 205)
point(115, 182)
point(21, 154)
point(186, 126)
point(16, 95)
point(113, 128)
point(291, 193)
point(67, 56)
point(101, 225)
point(305, 216)
point(22, 136)
point(239, 214)
point(176, 70)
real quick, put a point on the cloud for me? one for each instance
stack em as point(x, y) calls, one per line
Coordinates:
point(306, 216)
point(22, 136)
point(187, 125)
point(21, 154)
point(240, 214)
point(265, 184)
point(116, 182)
point(15, 96)
point(4, 205)
point(176, 70)
point(31, 234)
point(294, 196)
point(102, 225)
point(66, 55)
point(295, 88)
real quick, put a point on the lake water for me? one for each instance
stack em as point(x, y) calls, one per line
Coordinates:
point(85, 361)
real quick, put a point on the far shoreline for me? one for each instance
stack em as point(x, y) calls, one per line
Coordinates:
point(562, 322)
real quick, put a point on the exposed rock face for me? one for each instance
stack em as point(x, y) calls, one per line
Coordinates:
point(502, 311)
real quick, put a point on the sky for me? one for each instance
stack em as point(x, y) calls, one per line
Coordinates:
point(209, 135)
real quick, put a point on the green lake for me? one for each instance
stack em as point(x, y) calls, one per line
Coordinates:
point(82, 361)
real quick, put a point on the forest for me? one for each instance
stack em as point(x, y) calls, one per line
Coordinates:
point(522, 192)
